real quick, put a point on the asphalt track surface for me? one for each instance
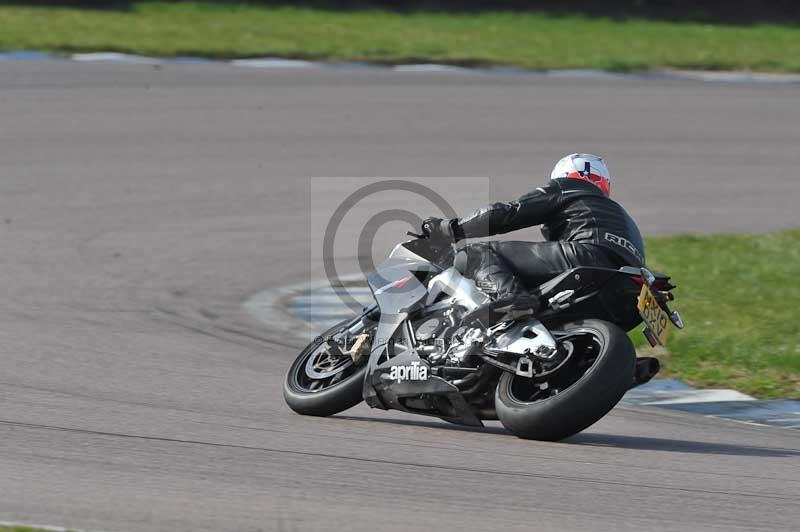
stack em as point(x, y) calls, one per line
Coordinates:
point(139, 206)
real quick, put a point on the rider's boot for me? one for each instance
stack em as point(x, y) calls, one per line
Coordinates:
point(510, 299)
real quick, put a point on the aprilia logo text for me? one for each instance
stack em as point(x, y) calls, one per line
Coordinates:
point(414, 372)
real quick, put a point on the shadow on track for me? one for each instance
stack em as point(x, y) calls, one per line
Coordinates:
point(616, 441)
point(676, 446)
point(428, 424)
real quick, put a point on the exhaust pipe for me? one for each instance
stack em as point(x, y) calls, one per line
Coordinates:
point(646, 369)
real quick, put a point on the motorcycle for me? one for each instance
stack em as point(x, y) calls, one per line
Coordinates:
point(419, 349)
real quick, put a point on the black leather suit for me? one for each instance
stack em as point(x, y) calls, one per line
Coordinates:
point(582, 225)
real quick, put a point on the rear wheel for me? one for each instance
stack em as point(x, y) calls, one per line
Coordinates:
point(324, 380)
point(597, 374)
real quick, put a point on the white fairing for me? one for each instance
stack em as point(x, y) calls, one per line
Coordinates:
point(402, 252)
point(457, 286)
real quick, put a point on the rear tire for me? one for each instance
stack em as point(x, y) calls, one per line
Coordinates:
point(581, 403)
point(333, 399)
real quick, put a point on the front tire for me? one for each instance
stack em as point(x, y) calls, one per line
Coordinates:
point(591, 384)
point(334, 394)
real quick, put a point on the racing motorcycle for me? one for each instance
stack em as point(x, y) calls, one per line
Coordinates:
point(420, 349)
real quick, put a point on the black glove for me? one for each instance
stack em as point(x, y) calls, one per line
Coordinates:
point(438, 230)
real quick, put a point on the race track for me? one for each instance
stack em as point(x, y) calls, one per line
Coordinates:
point(140, 205)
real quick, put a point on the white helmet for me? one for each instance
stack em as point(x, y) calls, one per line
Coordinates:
point(584, 166)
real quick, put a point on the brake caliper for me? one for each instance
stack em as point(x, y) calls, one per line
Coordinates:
point(360, 346)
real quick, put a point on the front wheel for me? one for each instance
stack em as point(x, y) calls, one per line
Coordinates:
point(324, 380)
point(594, 379)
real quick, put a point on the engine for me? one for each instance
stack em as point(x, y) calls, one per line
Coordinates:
point(441, 340)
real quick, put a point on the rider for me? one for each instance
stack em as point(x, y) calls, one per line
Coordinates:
point(582, 225)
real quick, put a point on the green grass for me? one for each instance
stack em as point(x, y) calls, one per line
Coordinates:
point(528, 39)
point(19, 529)
point(740, 298)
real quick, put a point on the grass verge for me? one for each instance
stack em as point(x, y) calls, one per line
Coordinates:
point(16, 528)
point(527, 39)
point(739, 296)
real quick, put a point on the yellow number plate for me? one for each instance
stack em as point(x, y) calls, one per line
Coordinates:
point(653, 316)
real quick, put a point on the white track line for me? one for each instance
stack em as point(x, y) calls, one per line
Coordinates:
point(273, 62)
point(701, 396)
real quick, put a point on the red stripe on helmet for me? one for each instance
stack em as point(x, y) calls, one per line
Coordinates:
point(601, 182)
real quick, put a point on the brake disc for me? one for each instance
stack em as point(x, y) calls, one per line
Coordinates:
point(324, 364)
